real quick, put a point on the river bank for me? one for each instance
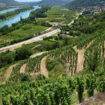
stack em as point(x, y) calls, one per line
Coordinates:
point(13, 12)
point(18, 17)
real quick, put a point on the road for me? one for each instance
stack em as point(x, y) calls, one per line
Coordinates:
point(38, 38)
point(76, 18)
point(38, 54)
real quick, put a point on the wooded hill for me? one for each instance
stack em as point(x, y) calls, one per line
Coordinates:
point(55, 1)
point(86, 3)
point(5, 3)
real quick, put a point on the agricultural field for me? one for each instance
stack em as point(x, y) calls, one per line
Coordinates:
point(25, 32)
point(64, 69)
point(58, 14)
point(37, 24)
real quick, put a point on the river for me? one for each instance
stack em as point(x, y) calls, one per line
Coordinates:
point(8, 10)
point(17, 18)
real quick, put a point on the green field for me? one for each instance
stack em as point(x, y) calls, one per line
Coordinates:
point(25, 32)
point(70, 71)
point(57, 14)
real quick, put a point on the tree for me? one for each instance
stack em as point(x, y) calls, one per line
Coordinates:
point(6, 58)
point(23, 53)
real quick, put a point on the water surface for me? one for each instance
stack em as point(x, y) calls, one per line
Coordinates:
point(17, 18)
point(8, 10)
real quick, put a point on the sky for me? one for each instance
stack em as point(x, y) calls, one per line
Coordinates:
point(28, 0)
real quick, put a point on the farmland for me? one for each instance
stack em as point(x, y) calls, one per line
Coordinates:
point(66, 68)
point(58, 14)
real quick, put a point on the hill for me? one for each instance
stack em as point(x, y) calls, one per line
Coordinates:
point(4, 3)
point(86, 3)
point(55, 1)
point(63, 69)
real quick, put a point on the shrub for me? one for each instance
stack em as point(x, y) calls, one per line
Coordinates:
point(6, 58)
point(23, 53)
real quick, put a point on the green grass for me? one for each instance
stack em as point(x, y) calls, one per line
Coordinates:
point(25, 32)
point(28, 30)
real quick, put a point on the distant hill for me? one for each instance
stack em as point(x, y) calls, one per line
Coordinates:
point(86, 3)
point(4, 3)
point(55, 1)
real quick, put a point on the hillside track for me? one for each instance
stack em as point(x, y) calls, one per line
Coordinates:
point(8, 72)
point(97, 99)
point(43, 69)
point(81, 53)
point(22, 69)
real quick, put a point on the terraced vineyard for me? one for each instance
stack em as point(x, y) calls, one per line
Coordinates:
point(65, 69)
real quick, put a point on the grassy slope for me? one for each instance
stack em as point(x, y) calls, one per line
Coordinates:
point(74, 95)
point(85, 3)
point(27, 31)
point(8, 2)
point(55, 1)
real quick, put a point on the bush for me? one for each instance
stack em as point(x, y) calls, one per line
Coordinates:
point(26, 77)
point(26, 27)
point(6, 58)
point(46, 24)
point(23, 53)
point(40, 77)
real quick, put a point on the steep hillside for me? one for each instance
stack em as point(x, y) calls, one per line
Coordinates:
point(55, 1)
point(4, 3)
point(86, 3)
point(65, 68)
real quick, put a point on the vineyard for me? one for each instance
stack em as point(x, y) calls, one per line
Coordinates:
point(67, 71)
point(49, 92)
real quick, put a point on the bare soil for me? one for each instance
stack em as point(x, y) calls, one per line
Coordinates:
point(97, 99)
point(81, 53)
point(22, 69)
point(8, 73)
point(43, 69)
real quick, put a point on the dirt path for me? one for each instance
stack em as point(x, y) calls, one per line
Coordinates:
point(43, 69)
point(22, 69)
point(35, 74)
point(8, 73)
point(98, 99)
point(37, 54)
point(80, 59)
point(36, 46)
point(81, 53)
point(75, 18)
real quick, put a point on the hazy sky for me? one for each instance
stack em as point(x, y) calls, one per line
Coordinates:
point(28, 0)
